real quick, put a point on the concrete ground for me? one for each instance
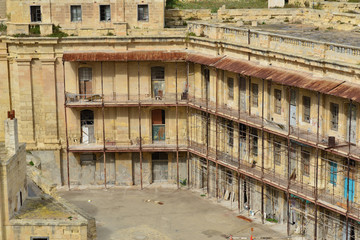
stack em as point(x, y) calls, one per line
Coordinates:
point(162, 213)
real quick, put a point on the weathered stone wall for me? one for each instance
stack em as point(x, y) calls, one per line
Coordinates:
point(13, 181)
point(177, 17)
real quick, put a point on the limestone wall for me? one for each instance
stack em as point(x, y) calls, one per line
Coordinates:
point(177, 17)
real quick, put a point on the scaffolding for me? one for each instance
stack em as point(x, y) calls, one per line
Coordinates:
point(203, 111)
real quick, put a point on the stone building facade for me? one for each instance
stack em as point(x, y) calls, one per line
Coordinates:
point(267, 121)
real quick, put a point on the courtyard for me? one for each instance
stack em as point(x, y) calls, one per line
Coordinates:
point(164, 212)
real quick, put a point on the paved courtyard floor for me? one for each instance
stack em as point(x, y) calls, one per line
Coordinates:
point(162, 213)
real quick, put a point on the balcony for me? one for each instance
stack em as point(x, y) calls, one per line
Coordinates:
point(124, 100)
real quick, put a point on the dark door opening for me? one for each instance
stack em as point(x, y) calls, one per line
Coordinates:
point(87, 126)
point(159, 167)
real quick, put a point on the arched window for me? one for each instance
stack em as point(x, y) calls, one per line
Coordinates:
point(158, 82)
point(87, 126)
point(158, 124)
point(85, 81)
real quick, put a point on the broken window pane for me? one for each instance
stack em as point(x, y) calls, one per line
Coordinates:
point(143, 12)
point(35, 13)
point(105, 14)
point(334, 118)
point(306, 105)
point(75, 13)
point(277, 94)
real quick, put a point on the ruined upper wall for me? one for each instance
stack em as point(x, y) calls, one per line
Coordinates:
point(90, 19)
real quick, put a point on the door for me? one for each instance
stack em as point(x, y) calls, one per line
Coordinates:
point(293, 162)
point(160, 167)
point(293, 108)
point(87, 126)
point(351, 189)
point(353, 124)
point(203, 177)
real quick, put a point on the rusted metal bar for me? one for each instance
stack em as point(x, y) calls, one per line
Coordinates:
point(66, 130)
point(187, 125)
point(140, 139)
point(177, 126)
point(103, 121)
point(348, 173)
point(262, 151)
point(317, 164)
point(207, 135)
point(216, 133)
point(288, 170)
point(239, 139)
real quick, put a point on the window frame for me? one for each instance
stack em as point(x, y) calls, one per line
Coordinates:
point(254, 142)
point(305, 161)
point(254, 96)
point(277, 152)
point(306, 109)
point(71, 13)
point(230, 88)
point(138, 15)
point(230, 133)
point(334, 116)
point(100, 8)
point(333, 174)
point(277, 101)
point(31, 14)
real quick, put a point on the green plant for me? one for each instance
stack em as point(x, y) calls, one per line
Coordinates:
point(183, 182)
point(20, 35)
point(203, 195)
point(57, 32)
point(316, 29)
point(34, 30)
point(171, 4)
point(192, 18)
point(355, 1)
point(31, 163)
point(110, 34)
point(286, 20)
point(271, 220)
point(3, 27)
point(307, 4)
point(330, 28)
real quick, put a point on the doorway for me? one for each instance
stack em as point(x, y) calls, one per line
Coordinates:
point(87, 126)
point(160, 167)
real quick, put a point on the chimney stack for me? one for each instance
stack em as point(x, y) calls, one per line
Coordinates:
point(11, 133)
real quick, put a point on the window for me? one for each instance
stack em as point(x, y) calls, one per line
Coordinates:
point(333, 173)
point(86, 159)
point(158, 125)
point(35, 13)
point(230, 84)
point(143, 12)
point(206, 73)
point(277, 152)
point(254, 147)
point(277, 94)
point(75, 13)
point(229, 177)
point(105, 14)
point(334, 118)
point(255, 94)
point(85, 81)
point(230, 133)
point(306, 105)
point(305, 160)
point(158, 82)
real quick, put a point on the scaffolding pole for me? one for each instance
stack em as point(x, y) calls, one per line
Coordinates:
point(262, 151)
point(216, 133)
point(177, 127)
point(288, 170)
point(103, 120)
point(140, 140)
point(207, 135)
point(317, 164)
point(66, 131)
point(348, 173)
point(187, 125)
point(239, 139)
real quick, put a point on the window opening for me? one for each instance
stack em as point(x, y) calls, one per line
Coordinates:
point(143, 12)
point(105, 13)
point(75, 13)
